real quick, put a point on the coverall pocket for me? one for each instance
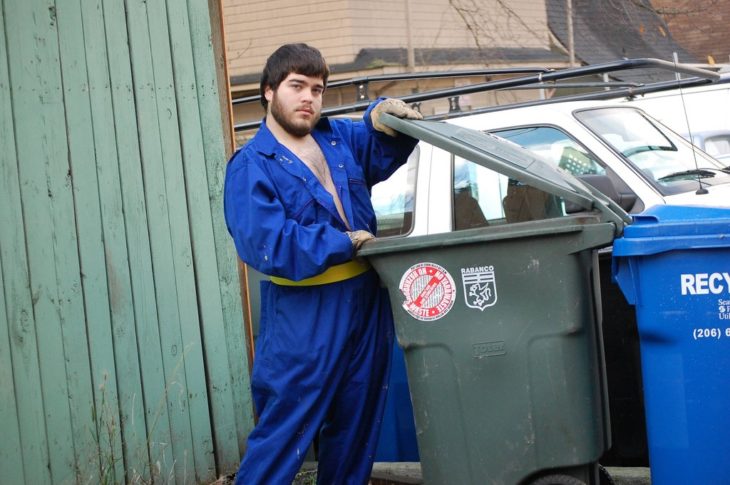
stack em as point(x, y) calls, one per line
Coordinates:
point(304, 209)
point(360, 195)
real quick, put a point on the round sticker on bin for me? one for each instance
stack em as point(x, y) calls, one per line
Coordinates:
point(429, 290)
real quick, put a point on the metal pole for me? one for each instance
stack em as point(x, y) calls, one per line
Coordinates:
point(571, 40)
point(409, 38)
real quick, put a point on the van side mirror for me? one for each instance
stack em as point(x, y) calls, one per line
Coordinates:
point(626, 199)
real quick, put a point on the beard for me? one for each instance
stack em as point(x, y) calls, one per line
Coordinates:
point(294, 126)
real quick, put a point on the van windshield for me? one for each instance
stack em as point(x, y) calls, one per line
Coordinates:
point(660, 155)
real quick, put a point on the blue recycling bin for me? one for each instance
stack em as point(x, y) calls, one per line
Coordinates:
point(673, 264)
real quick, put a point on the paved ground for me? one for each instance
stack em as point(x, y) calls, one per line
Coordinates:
point(410, 474)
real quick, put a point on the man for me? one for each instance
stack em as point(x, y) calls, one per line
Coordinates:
point(297, 204)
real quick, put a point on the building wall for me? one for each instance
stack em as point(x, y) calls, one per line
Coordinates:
point(341, 28)
point(700, 26)
point(255, 28)
point(440, 23)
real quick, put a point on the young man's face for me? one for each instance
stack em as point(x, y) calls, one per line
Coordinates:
point(297, 102)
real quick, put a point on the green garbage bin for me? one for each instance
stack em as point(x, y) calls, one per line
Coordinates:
point(500, 329)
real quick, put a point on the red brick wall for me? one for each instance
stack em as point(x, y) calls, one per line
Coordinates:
point(700, 26)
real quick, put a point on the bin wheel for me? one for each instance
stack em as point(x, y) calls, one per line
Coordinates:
point(558, 480)
point(604, 478)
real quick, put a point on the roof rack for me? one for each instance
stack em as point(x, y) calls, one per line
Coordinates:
point(362, 82)
point(536, 79)
point(625, 92)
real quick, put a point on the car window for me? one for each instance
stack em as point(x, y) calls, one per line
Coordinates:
point(556, 146)
point(393, 199)
point(483, 197)
point(718, 146)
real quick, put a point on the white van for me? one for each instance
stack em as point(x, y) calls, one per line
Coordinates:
point(618, 148)
point(697, 109)
point(700, 114)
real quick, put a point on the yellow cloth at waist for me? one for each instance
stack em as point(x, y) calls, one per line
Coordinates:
point(339, 272)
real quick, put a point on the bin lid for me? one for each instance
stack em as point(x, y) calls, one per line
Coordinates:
point(664, 228)
point(512, 160)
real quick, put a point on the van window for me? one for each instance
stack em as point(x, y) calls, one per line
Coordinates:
point(483, 197)
point(555, 146)
point(718, 146)
point(664, 158)
point(393, 199)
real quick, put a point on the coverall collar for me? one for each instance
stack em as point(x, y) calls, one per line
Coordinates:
point(266, 143)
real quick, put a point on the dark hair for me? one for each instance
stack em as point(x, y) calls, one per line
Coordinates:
point(289, 58)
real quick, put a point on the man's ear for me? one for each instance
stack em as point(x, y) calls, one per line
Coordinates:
point(268, 93)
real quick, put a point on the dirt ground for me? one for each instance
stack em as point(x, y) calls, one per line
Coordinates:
point(308, 477)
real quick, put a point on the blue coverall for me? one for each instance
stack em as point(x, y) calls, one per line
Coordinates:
point(323, 352)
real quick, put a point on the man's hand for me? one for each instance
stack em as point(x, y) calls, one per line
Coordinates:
point(395, 107)
point(359, 237)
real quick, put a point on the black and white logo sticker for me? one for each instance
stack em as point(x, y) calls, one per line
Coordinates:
point(480, 286)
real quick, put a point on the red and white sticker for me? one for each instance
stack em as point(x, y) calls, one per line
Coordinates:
point(429, 290)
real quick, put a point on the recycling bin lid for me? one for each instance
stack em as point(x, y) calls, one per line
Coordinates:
point(512, 160)
point(664, 228)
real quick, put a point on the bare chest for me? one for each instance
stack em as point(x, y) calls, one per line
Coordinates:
point(312, 156)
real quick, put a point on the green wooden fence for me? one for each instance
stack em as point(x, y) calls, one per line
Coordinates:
point(122, 353)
